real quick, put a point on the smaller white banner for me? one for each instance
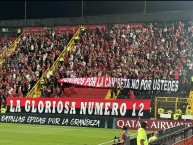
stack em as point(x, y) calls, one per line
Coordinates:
point(165, 115)
point(187, 117)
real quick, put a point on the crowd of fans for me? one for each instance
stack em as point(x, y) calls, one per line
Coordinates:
point(34, 54)
point(138, 51)
point(135, 51)
point(5, 43)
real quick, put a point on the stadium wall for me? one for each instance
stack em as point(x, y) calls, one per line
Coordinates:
point(60, 120)
point(102, 122)
point(103, 19)
point(88, 121)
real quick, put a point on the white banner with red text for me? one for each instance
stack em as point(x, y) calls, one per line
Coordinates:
point(107, 82)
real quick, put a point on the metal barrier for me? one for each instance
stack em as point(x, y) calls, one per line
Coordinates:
point(167, 136)
point(162, 134)
point(190, 102)
point(172, 136)
point(172, 104)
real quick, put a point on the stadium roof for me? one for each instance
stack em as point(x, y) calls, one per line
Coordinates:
point(56, 9)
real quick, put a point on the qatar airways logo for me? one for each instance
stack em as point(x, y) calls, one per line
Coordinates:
point(151, 124)
point(67, 107)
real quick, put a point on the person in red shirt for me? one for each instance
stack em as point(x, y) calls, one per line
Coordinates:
point(132, 96)
point(176, 75)
point(125, 137)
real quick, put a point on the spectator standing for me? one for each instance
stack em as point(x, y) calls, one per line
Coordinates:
point(131, 93)
point(176, 75)
point(141, 135)
point(125, 137)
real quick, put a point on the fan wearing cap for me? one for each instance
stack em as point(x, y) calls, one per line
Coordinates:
point(125, 138)
point(141, 135)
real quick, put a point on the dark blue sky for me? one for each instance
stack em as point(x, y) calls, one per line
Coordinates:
point(57, 9)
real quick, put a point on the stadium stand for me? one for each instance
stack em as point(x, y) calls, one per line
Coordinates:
point(5, 43)
point(141, 51)
point(34, 54)
point(134, 51)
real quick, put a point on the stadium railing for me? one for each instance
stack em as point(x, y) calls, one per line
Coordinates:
point(8, 52)
point(168, 134)
point(35, 91)
point(173, 136)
